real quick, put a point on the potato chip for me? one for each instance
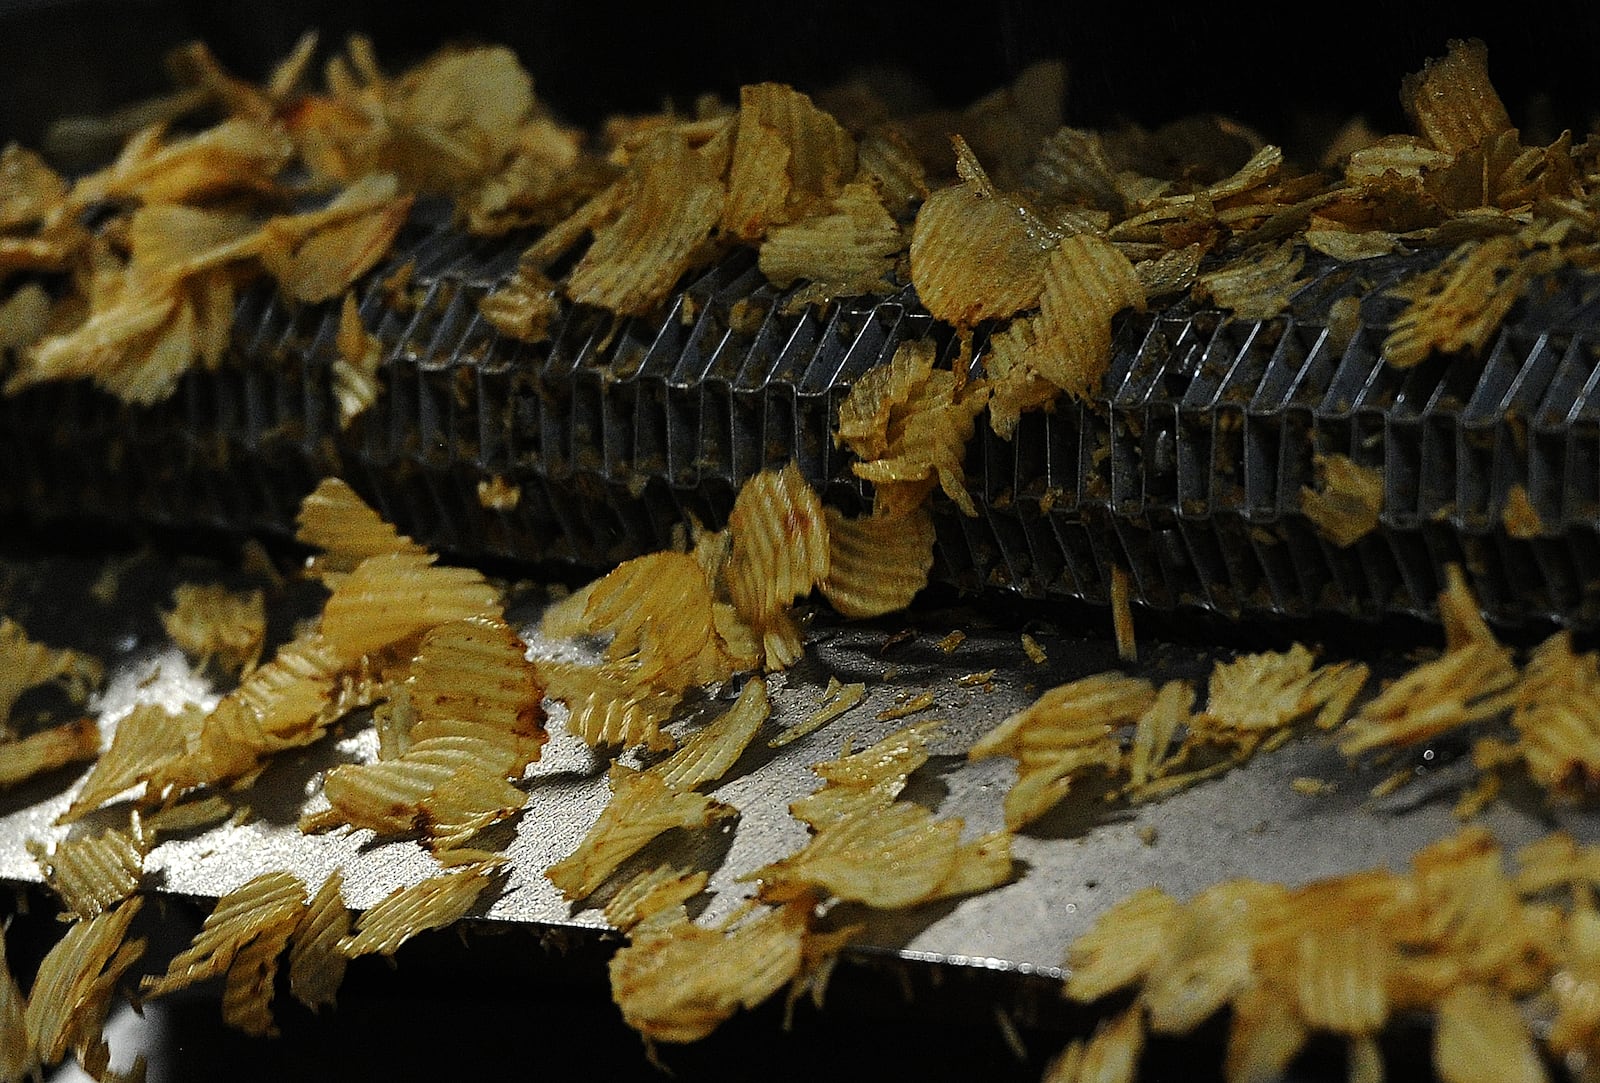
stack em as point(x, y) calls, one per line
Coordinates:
point(319, 255)
point(1519, 516)
point(1154, 731)
point(24, 317)
point(406, 911)
point(926, 442)
point(146, 738)
point(1110, 1056)
point(248, 986)
point(237, 156)
point(355, 370)
point(71, 994)
point(1122, 614)
point(653, 893)
point(393, 596)
point(1262, 692)
point(438, 788)
point(848, 251)
point(642, 807)
point(1451, 102)
point(838, 699)
point(1066, 732)
point(316, 965)
point(870, 778)
point(334, 519)
point(659, 611)
point(30, 191)
point(1462, 686)
point(472, 676)
point(1557, 716)
point(708, 755)
point(25, 664)
point(677, 981)
point(266, 907)
point(92, 873)
point(977, 254)
point(606, 707)
point(1256, 286)
point(1346, 505)
point(669, 202)
point(887, 858)
point(211, 623)
point(1481, 1037)
point(523, 306)
point(43, 752)
point(1073, 166)
point(877, 565)
point(886, 159)
point(780, 544)
point(1460, 304)
point(865, 413)
point(790, 159)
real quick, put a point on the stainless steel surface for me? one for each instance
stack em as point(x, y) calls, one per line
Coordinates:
point(1070, 866)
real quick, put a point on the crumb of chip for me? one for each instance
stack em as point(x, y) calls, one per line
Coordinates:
point(1313, 787)
point(1519, 516)
point(919, 702)
point(1122, 614)
point(498, 494)
point(950, 642)
point(1148, 835)
point(1031, 648)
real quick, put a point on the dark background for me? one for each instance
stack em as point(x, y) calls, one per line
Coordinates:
point(1274, 66)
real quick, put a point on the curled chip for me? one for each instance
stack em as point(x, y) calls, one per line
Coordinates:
point(676, 981)
point(790, 160)
point(1557, 716)
point(146, 739)
point(1460, 304)
point(1452, 103)
point(319, 255)
point(71, 994)
point(25, 664)
point(780, 544)
point(337, 521)
point(708, 755)
point(643, 805)
point(47, 750)
point(669, 201)
point(212, 623)
point(1347, 503)
point(263, 911)
point(977, 254)
point(848, 251)
point(654, 894)
point(355, 370)
point(431, 904)
point(876, 565)
point(316, 965)
point(869, 779)
point(93, 873)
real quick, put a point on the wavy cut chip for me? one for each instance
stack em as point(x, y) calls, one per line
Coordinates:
point(431, 904)
point(1451, 101)
point(146, 739)
point(1347, 502)
point(669, 202)
point(92, 873)
point(642, 807)
point(211, 623)
point(677, 981)
point(265, 908)
point(837, 699)
point(790, 160)
point(17, 1059)
point(319, 255)
point(780, 544)
point(877, 565)
point(607, 707)
point(45, 751)
point(1557, 717)
point(1461, 303)
point(848, 251)
point(71, 994)
point(25, 664)
point(473, 676)
point(865, 413)
point(316, 965)
point(337, 521)
point(1464, 685)
point(657, 893)
point(660, 612)
point(1257, 286)
point(391, 597)
point(708, 755)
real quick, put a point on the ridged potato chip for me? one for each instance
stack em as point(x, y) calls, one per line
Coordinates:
point(708, 755)
point(1452, 103)
point(1557, 716)
point(876, 565)
point(71, 994)
point(472, 675)
point(780, 544)
point(337, 521)
point(676, 981)
point(319, 255)
point(93, 873)
point(1257, 286)
point(790, 159)
point(17, 1058)
point(1460, 304)
point(606, 707)
point(642, 807)
point(1481, 1038)
point(1463, 685)
point(47, 750)
point(429, 904)
point(211, 623)
point(316, 965)
point(264, 907)
point(25, 664)
point(1346, 505)
point(654, 894)
point(393, 596)
point(849, 251)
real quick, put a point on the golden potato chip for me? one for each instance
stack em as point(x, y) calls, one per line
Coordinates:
point(146, 739)
point(1110, 1056)
point(1459, 613)
point(25, 664)
point(1340, 975)
point(473, 675)
point(876, 565)
point(318, 255)
point(438, 787)
point(655, 892)
point(789, 160)
point(926, 441)
point(248, 986)
point(334, 519)
point(211, 623)
point(393, 596)
point(1154, 731)
point(670, 199)
point(1122, 614)
point(887, 858)
point(1073, 166)
point(659, 611)
point(780, 544)
point(708, 755)
point(237, 156)
point(869, 779)
point(606, 707)
point(30, 191)
point(316, 965)
point(1460, 304)
point(266, 907)
point(1262, 692)
point(849, 250)
point(1256, 286)
point(1208, 957)
point(676, 981)
point(907, 706)
point(1462, 686)
point(838, 699)
point(1349, 245)
point(1451, 102)
point(47, 750)
point(92, 873)
point(977, 254)
point(865, 413)
point(355, 370)
point(1481, 1037)
point(886, 159)
point(1265, 1036)
point(430, 904)
point(642, 807)
point(71, 994)
point(1518, 516)
point(1557, 716)
point(1346, 505)
point(24, 317)
point(523, 306)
